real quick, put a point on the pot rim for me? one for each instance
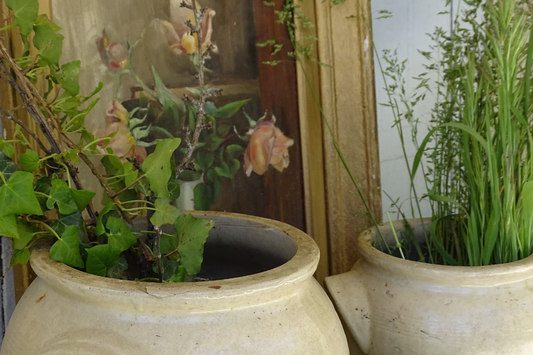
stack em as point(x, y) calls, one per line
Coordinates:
point(490, 275)
point(298, 269)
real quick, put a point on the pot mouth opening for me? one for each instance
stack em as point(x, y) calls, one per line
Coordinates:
point(373, 251)
point(241, 253)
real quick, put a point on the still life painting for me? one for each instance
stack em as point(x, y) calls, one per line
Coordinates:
point(248, 158)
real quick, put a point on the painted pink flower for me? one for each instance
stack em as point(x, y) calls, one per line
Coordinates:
point(179, 34)
point(123, 143)
point(114, 55)
point(268, 146)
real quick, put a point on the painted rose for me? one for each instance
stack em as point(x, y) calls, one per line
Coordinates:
point(178, 33)
point(267, 146)
point(114, 55)
point(123, 143)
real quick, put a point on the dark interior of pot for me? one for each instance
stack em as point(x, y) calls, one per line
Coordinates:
point(238, 247)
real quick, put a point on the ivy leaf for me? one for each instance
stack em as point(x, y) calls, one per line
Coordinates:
point(120, 237)
point(43, 186)
point(20, 256)
point(112, 165)
point(17, 195)
point(100, 229)
point(8, 226)
point(157, 166)
point(170, 268)
point(26, 12)
point(7, 167)
point(48, 42)
point(117, 271)
point(130, 175)
point(82, 198)
point(6, 148)
point(230, 109)
point(26, 232)
point(61, 195)
point(75, 219)
point(68, 79)
point(191, 234)
point(67, 249)
point(29, 160)
point(165, 213)
point(180, 276)
point(101, 258)
point(189, 175)
point(72, 156)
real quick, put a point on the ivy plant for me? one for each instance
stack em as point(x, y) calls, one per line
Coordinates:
point(41, 195)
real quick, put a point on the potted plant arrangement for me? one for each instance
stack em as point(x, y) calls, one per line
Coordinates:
point(120, 280)
point(459, 282)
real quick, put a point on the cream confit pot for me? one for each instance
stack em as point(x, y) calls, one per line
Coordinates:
point(263, 300)
point(392, 306)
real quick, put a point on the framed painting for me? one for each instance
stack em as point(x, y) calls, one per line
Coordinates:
point(249, 158)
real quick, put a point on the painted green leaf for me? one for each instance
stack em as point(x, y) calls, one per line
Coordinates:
point(67, 249)
point(29, 160)
point(7, 167)
point(157, 166)
point(165, 213)
point(213, 180)
point(189, 175)
point(20, 256)
point(8, 226)
point(205, 159)
point(101, 258)
point(82, 198)
point(203, 197)
point(100, 229)
point(191, 234)
point(48, 42)
point(69, 76)
point(233, 151)
point(18, 197)
point(26, 233)
point(26, 12)
point(223, 170)
point(60, 195)
point(119, 236)
point(230, 109)
point(6, 149)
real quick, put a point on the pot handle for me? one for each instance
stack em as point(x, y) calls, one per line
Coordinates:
point(350, 297)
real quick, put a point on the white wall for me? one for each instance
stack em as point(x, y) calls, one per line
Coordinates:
point(405, 32)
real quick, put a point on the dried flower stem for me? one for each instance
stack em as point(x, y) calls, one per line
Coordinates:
point(193, 143)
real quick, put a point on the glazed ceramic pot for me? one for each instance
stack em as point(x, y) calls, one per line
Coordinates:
point(262, 299)
point(394, 306)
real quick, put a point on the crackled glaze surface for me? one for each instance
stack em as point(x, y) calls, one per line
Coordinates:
point(393, 306)
point(279, 311)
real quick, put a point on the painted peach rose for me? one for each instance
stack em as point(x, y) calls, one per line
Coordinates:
point(123, 143)
point(268, 146)
point(114, 55)
point(178, 33)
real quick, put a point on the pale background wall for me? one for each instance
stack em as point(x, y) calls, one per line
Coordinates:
point(405, 32)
